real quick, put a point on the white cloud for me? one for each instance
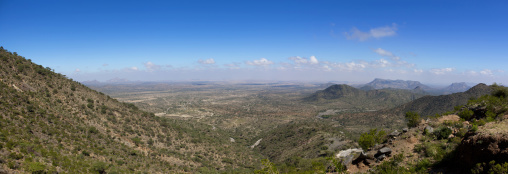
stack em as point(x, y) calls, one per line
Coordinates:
point(383, 31)
point(393, 57)
point(326, 68)
point(300, 60)
point(441, 71)
point(260, 62)
point(381, 63)
point(234, 65)
point(350, 66)
point(313, 60)
point(474, 73)
point(207, 61)
point(77, 70)
point(356, 34)
point(150, 67)
point(134, 68)
point(418, 71)
point(383, 52)
point(380, 32)
point(486, 72)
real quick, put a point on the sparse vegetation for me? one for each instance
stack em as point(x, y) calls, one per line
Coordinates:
point(51, 124)
point(413, 119)
point(371, 138)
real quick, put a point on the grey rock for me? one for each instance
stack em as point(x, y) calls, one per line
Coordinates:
point(405, 130)
point(371, 155)
point(381, 157)
point(395, 133)
point(429, 129)
point(385, 150)
point(348, 156)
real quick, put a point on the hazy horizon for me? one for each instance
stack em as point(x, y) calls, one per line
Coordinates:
point(433, 42)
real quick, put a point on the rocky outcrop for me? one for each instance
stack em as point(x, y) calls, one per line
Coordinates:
point(349, 155)
point(486, 145)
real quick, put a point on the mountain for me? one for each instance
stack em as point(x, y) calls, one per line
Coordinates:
point(52, 124)
point(456, 87)
point(346, 96)
point(431, 105)
point(394, 117)
point(397, 84)
point(337, 91)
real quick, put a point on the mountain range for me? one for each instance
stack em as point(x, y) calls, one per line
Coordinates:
point(413, 85)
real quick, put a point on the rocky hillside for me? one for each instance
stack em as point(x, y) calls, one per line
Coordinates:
point(49, 123)
point(431, 105)
point(345, 96)
point(472, 139)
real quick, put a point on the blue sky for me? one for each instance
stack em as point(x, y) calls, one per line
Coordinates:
point(436, 42)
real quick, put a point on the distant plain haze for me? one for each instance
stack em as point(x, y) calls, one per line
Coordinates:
point(436, 42)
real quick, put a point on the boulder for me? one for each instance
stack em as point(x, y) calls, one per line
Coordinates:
point(381, 157)
point(395, 134)
point(405, 130)
point(385, 150)
point(348, 156)
point(429, 129)
point(371, 155)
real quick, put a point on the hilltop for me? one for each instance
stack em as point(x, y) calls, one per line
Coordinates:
point(457, 87)
point(431, 105)
point(416, 86)
point(50, 123)
point(397, 84)
point(345, 96)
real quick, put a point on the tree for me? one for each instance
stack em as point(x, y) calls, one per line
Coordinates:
point(371, 138)
point(413, 119)
point(100, 167)
point(268, 168)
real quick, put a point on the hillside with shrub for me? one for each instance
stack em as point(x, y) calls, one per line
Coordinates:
point(50, 123)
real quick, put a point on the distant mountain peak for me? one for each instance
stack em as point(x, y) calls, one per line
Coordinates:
point(456, 87)
point(379, 83)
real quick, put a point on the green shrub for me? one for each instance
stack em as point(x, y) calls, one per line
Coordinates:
point(35, 167)
point(491, 168)
point(137, 141)
point(443, 133)
point(93, 130)
point(434, 150)
point(421, 166)
point(466, 114)
point(474, 128)
point(371, 138)
point(99, 167)
point(268, 168)
point(499, 91)
point(392, 165)
point(413, 119)
point(86, 153)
